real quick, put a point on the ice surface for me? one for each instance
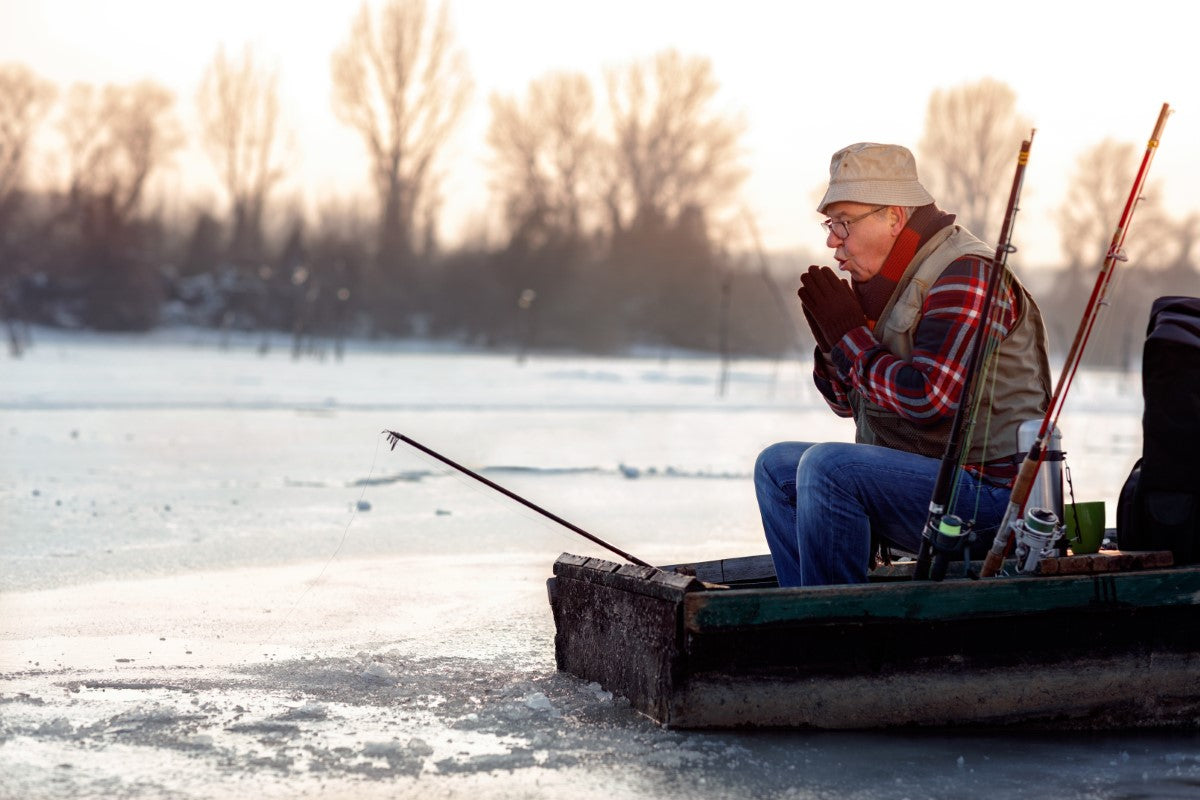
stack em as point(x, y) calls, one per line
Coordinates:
point(216, 580)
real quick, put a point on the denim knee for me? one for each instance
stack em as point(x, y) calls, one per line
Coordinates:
point(820, 460)
point(770, 456)
point(776, 465)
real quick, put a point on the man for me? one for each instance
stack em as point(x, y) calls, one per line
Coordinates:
point(892, 349)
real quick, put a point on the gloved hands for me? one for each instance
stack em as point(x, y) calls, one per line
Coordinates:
point(818, 334)
point(829, 305)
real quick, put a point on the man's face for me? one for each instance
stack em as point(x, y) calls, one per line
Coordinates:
point(869, 237)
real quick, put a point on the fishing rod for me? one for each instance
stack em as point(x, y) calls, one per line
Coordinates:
point(395, 438)
point(1033, 459)
point(945, 534)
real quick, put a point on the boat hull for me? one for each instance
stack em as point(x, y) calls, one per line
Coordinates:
point(1083, 651)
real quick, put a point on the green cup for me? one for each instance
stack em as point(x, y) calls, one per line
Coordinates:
point(1085, 526)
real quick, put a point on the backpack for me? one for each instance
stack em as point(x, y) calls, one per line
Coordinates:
point(1159, 506)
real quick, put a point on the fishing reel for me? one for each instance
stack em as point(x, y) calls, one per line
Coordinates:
point(948, 537)
point(1036, 537)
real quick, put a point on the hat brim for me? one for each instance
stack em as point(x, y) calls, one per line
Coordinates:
point(874, 192)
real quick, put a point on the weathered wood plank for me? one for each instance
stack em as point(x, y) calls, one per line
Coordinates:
point(761, 570)
point(989, 652)
point(903, 570)
point(743, 569)
point(626, 641)
point(1135, 690)
point(627, 577)
point(1105, 561)
point(704, 611)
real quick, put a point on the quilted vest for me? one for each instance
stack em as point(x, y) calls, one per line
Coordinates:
point(1019, 389)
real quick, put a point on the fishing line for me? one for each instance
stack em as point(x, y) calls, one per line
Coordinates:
point(345, 534)
point(987, 433)
point(1108, 350)
point(991, 341)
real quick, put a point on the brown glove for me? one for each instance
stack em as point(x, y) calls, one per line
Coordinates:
point(818, 335)
point(829, 305)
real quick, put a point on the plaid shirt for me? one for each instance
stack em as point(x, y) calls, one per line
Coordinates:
point(928, 386)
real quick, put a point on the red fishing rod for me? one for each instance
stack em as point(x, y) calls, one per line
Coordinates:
point(945, 534)
point(1036, 454)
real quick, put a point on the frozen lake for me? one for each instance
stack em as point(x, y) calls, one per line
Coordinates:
point(216, 580)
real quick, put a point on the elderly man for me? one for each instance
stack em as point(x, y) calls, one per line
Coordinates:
point(892, 346)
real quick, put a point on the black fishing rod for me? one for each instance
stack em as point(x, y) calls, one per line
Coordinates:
point(394, 438)
point(946, 534)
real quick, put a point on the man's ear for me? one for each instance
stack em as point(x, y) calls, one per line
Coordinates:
point(898, 217)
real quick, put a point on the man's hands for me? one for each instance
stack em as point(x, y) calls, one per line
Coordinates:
point(829, 305)
point(815, 327)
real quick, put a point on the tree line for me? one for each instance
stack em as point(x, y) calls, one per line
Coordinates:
point(622, 224)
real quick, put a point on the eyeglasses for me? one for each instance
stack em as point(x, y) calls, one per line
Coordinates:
point(841, 227)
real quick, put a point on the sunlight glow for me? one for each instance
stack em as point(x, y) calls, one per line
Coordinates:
point(805, 86)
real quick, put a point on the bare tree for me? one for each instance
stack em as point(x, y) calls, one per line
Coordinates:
point(400, 82)
point(1182, 271)
point(972, 135)
point(545, 157)
point(238, 102)
point(24, 101)
point(1097, 192)
point(1096, 195)
point(116, 137)
point(671, 149)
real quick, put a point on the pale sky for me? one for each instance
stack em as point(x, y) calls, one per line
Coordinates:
point(809, 78)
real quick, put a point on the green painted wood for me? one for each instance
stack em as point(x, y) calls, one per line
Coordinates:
point(925, 601)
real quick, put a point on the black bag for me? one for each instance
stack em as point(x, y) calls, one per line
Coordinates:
point(1159, 506)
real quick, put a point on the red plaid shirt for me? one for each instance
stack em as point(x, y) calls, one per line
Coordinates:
point(927, 387)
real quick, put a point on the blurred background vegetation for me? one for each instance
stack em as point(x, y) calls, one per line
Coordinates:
point(623, 225)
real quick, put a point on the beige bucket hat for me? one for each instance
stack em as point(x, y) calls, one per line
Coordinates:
point(880, 174)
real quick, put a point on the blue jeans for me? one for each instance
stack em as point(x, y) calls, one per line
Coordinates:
point(821, 502)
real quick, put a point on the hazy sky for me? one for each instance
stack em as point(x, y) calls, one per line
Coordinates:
point(809, 79)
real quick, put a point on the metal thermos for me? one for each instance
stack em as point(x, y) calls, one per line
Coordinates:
point(1047, 489)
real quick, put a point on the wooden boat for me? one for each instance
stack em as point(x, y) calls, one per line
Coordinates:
point(1105, 641)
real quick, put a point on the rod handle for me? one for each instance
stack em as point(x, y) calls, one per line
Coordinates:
point(994, 561)
point(1026, 476)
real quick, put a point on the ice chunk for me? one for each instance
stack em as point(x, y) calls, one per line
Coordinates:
point(378, 673)
point(311, 709)
point(419, 747)
point(539, 702)
point(388, 750)
point(59, 726)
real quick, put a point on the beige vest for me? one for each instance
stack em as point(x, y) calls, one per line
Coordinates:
point(1017, 374)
